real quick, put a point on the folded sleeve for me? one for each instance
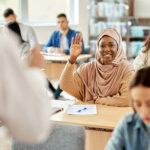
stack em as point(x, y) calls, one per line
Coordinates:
point(71, 82)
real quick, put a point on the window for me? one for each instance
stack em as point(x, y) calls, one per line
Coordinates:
point(47, 10)
point(42, 11)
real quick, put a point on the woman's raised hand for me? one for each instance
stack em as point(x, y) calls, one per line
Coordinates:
point(76, 48)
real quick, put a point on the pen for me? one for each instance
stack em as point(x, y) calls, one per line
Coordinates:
point(82, 109)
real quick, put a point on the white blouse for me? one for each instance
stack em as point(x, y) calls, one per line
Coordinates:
point(142, 60)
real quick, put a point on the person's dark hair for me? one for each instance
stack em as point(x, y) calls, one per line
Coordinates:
point(8, 12)
point(13, 26)
point(141, 77)
point(62, 15)
point(146, 44)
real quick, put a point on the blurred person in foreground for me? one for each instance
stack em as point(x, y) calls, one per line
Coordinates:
point(23, 100)
point(133, 131)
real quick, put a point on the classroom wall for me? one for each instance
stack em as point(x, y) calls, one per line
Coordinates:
point(141, 8)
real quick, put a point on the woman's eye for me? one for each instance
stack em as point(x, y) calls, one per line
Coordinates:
point(111, 45)
point(148, 104)
point(136, 104)
point(102, 46)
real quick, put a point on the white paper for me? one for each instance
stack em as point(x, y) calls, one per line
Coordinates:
point(82, 110)
point(54, 54)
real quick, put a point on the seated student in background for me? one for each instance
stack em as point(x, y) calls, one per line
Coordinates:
point(133, 131)
point(60, 40)
point(23, 101)
point(24, 46)
point(104, 80)
point(143, 58)
point(27, 32)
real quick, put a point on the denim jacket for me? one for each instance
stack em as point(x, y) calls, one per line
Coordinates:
point(54, 40)
point(130, 134)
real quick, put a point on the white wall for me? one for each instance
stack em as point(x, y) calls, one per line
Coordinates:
point(43, 33)
point(141, 8)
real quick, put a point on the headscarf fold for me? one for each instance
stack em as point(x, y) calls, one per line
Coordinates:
point(105, 80)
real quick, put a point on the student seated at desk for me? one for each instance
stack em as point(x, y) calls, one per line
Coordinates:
point(104, 80)
point(60, 40)
point(24, 46)
point(143, 58)
point(27, 32)
point(133, 131)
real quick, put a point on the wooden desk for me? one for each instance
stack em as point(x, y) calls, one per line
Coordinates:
point(98, 127)
point(55, 64)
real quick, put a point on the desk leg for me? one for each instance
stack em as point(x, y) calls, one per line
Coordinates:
point(96, 139)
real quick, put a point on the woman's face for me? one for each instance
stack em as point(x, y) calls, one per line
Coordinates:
point(108, 49)
point(141, 102)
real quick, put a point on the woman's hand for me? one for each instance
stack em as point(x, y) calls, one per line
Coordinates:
point(76, 48)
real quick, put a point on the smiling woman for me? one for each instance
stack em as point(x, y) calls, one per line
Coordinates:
point(104, 80)
point(108, 49)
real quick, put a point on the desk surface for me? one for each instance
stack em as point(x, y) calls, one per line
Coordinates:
point(106, 118)
point(65, 58)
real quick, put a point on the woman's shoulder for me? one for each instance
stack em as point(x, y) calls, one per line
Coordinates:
point(88, 65)
point(143, 52)
point(131, 119)
point(126, 66)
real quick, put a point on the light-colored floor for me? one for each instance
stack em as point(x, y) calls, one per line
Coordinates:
point(5, 138)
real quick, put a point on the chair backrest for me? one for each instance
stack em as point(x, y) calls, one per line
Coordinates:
point(62, 137)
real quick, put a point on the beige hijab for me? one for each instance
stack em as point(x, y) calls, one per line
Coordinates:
point(105, 80)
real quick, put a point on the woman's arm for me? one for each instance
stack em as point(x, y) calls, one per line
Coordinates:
point(122, 97)
point(71, 82)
